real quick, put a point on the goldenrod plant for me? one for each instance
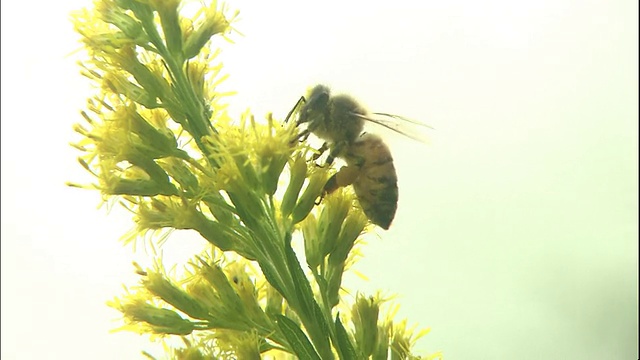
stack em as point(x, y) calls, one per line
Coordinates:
point(157, 138)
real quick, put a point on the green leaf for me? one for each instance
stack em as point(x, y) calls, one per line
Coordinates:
point(272, 277)
point(345, 346)
point(303, 292)
point(298, 341)
point(315, 322)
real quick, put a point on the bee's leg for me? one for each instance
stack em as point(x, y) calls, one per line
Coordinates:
point(320, 151)
point(295, 107)
point(300, 137)
point(333, 154)
point(346, 176)
point(335, 149)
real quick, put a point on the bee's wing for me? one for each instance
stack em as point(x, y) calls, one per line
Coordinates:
point(399, 124)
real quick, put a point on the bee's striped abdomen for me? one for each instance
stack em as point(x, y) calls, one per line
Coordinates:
point(377, 184)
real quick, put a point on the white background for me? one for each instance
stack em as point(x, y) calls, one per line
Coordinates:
point(516, 235)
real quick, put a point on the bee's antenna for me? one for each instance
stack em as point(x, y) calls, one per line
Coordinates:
point(302, 100)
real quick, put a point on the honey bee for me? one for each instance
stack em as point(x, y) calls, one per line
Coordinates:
point(339, 120)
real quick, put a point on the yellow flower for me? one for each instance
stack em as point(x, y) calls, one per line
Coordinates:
point(243, 345)
point(144, 317)
point(403, 339)
point(364, 314)
point(208, 22)
point(158, 137)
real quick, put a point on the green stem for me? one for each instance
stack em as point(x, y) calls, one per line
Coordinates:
point(326, 311)
point(186, 96)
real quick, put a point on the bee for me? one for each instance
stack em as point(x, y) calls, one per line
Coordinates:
point(339, 120)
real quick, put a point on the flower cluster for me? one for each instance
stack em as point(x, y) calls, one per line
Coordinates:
point(157, 138)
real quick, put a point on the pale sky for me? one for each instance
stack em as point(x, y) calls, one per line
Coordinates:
point(516, 235)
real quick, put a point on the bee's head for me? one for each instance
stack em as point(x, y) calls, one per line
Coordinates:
point(315, 106)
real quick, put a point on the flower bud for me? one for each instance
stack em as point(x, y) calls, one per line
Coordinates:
point(336, 207)
point(274, 301)
point(271, 169)
point(162, 321)
point(214, 23)
point(298, 171)
point(309, 196)
point(158, 285)
point(351, 229)
point(136, 187)
point(169, 20)
point(182, 173)
point(116, 16)
point(118, 84)
point(364, 314)
point(381, 350)
point(312, 246)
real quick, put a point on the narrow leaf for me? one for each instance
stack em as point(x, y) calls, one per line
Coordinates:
point(297, 339)
point(345, 346)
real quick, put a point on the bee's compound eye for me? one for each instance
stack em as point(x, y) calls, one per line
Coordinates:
point(304, 114)
point(319, 97)
point(320, 101)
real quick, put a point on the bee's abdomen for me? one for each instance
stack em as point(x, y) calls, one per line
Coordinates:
point(377, 185)
point(378, 196)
